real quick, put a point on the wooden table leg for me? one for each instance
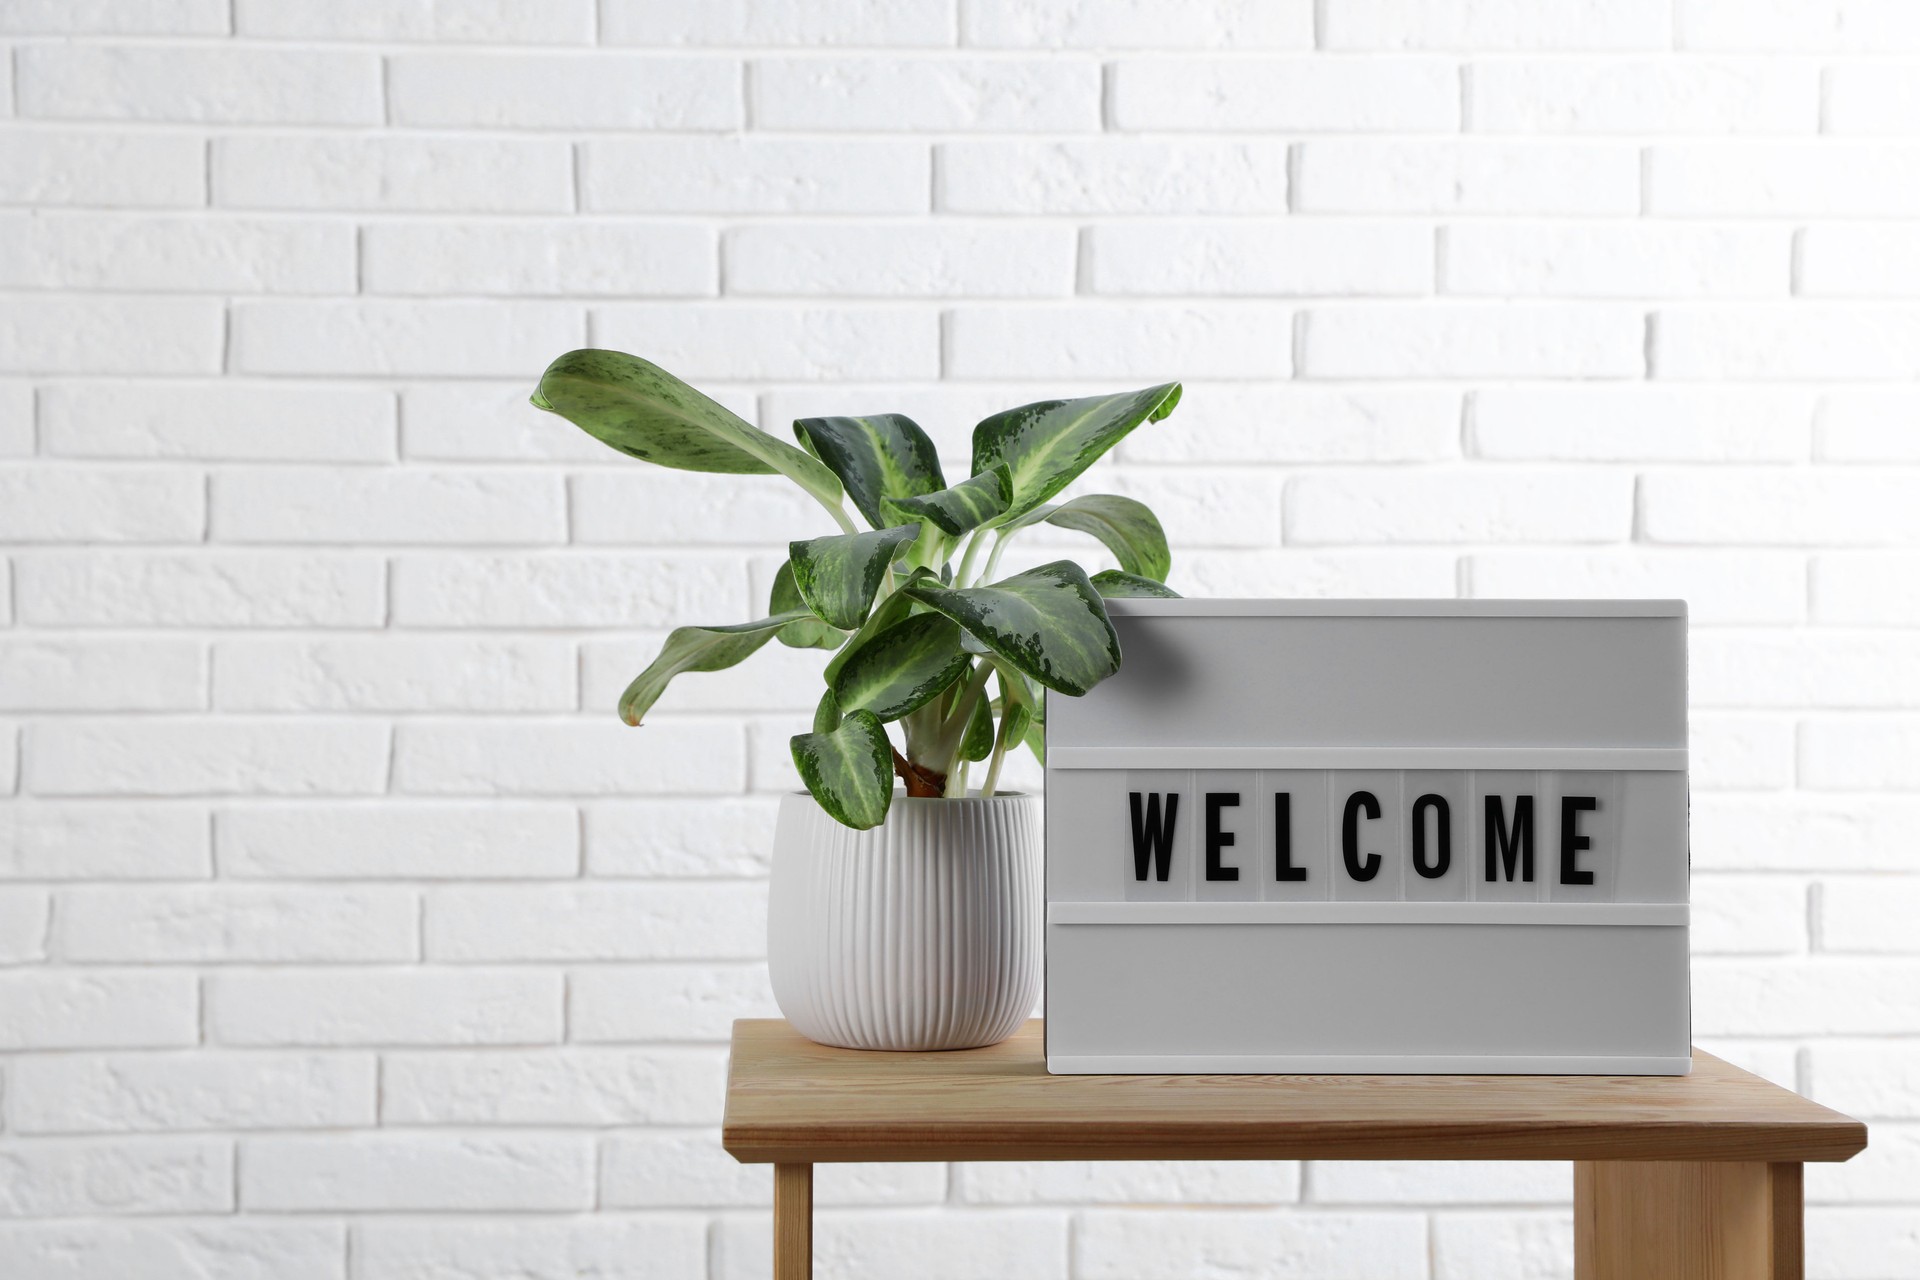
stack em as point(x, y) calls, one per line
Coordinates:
point(792, 1222)
point(1682, 1220)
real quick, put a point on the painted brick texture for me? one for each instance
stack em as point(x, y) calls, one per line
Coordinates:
point(345, 935)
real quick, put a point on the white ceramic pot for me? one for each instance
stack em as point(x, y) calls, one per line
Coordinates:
point(923, 933)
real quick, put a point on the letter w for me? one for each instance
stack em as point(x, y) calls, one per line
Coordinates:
point(1152, 837)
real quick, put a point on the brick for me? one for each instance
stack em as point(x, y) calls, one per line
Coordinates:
point(422, 1172)
point(187, 254)
point(655, 507)
point(39, 503)
point(201, 589)
point(405, 505)
point(1671, 260)
point(1437, 1182)
point(425, 338)
point(1391, 175)
point(1747, 915)
point(769, 22)
point(1121, 1244)
point(1858, 261)
point(665, 1002)
point(450, 21)
point(465, 422)
point(1337, 574)
point(142, 1093)
point(218, 421)
point(1870, 96)
point(1120, 341)
point(93, 841)
point(25, 923)
point(395, 673)
point(1844, 753)
point(530, 1249)
point(1867, 424)
point(1656, 96)
point(814, 343)
point(604, 589)
point(574, 1086)
point(1203, 24)
point(1800, 832)
point(1874, 1079)
point(100, 17)
point(1458, 506)
point(47, 333)
point(308, 172)
point(1720, 587)
point(405, 1006)
point(672, 1170)
point(97, 1009)
point(219, 1250)
point(16, 423)
point(68, 1178)
point(92, 757)
point(1891, 1160)
point(1640, 423)
point(1459, 340)
point(1183, 177)
point(579, 757)
point(49, 167)
point(540, 259)
point(1305, 94)
point(1283, 423)
point(1803, 668)
point(1496, 24)
point(1172, 1182)
point(79, 674)
point(601, 921)
point(1821, 507)
point(1867, 589)
point(727, 836)
point(1869, 914)
point(1740, 752)
point(564, 91)
point(150, 924)
point(1805, 996)
point(1783, 179)
point(932, 1244)
point(1797, 26)
point(947, 259)
point(900, 94)
point(326, 842)
point(1278, 258)
point(1801, 342)
point(1468, 1246)
point(754, 175)
point(219, 84)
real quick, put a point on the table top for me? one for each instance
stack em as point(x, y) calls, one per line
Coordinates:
point(790, 1100)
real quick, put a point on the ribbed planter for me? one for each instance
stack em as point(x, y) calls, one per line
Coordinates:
point(923, 933)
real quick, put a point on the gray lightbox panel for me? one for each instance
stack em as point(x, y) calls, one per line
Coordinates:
point(1533, 919)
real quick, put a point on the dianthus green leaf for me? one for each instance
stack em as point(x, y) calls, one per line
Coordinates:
point(810, 632)
point(1048, 623)
point(881, 456)
point(1045, 445)
point(965, 506)
point(645, 412)
point(1112, 584)
point(1128, 528)
point(838, 575)
point(698, 649)
point(903, 668)
point(849, 770)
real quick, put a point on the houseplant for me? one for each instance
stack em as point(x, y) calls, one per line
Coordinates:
point(905, 921)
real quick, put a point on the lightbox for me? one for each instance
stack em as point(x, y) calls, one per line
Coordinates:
point(1373, 836)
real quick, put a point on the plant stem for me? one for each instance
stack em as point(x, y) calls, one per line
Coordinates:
point(954, 732)
point(957, 783)
point(999, 754)
point(839, 514)
point(961, 576)
point(1000, 541)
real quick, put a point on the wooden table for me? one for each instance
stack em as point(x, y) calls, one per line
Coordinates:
point(1676, 1177)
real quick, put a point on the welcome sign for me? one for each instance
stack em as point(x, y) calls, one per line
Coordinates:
point(1377, 836)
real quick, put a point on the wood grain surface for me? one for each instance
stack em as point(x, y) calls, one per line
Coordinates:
point(792, 1101)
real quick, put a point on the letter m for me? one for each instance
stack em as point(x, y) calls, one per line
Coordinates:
point(1510, 845)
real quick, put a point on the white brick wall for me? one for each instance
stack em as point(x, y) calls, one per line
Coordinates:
point(345, 935)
